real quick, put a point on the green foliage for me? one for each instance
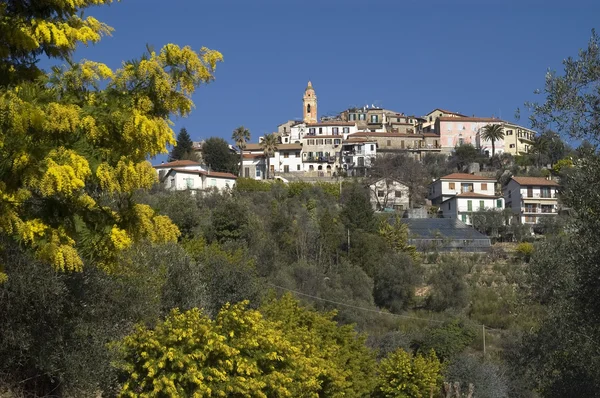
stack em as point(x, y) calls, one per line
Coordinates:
point(217, 155)
point(406, 376)
point(269, 146)
point(562, 164)
point(229, 221)
point(463, 155)
point(357, 211)
point(241, 136)
point(395, 282)
point(493, 133)
point(448, 340)
point(396, 236)
point(252, 185)
point(183, 149)
point(449, 288)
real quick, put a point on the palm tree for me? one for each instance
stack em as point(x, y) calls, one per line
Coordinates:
point(493, 133)
point(269, 146)
point(540, 147)
point(240, 136)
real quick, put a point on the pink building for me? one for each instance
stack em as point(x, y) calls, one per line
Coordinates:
point(455, 131)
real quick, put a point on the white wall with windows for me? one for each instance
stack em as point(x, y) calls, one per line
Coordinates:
point(463, 206)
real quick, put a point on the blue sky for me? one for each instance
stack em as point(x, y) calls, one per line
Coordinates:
point(481, 57)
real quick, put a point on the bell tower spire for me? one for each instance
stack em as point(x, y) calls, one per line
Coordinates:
point(310, 104)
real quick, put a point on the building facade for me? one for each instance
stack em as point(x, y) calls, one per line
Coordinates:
point(456, 131)
point(531, 198)
point(389, 194)
point(195, 180)
point(163, 168)
point(453, 184)
point(517, 139)
point(463, 205)
point(310, 104)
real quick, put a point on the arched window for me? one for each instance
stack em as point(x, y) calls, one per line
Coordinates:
point(308, 108)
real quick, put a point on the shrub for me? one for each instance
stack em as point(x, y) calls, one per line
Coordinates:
point(524, 251)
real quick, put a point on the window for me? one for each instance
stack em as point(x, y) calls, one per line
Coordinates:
point(398, 207)
point(258, 172)
point(449, 207)
point(328, 141)
point(335, 130)
point(372, 147)
point(337, 141)
point(213, 182)
point(320, 141)
point(311, 142)
point(398, 194)
point(484, 186)
point(461, 141)
point(499, 203)
point(362, 116)
point(374, 118)
point(311, 131)
point(189, 182)
point(311, 168)
point(451, 185)
point(286, 155)
point(352, 116)
point(172, 183)
point(389, 142)
point(466, 187)
point(509, 132)
point(545, 192)
point(247, 172)
point(320, 130)
point(463, 217)
point(297, 154)
point(481, 205)
point(346, 130)
point(469, 205)
point(298, 167)
point(512, 145)
point(380, 194)
point(286, 168)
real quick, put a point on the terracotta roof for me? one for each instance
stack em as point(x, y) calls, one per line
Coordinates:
point(186, 171)
point(465, 176)
point(324, 124)
point(471, 119)
point(535, 181)
point(253, 155)
point(447, 111)
point(430, 135)
point(357, 139)
point(218, 174)
point(177, 163)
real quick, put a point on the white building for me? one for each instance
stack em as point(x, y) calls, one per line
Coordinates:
point(456, 183)
point(358, 154)
point(531, 198)
point(181, 179)
point(163, 168)
point(463, 205)
point(388, 193)
point(286, 159)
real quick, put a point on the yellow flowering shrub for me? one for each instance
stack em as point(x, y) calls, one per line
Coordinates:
point(403, 375)
point(238, 354)
point(76, 141)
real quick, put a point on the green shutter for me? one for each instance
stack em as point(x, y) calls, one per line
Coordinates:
point(499, 203)
point(469, 205)
point(464, 217)
point(481, 205)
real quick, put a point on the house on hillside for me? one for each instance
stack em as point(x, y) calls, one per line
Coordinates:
point(463, 205)
point(453, 184)
point(532, 198)
point(163, 168)
point(181, 179)
point(389, 194)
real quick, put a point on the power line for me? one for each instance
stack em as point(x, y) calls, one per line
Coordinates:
point(354, 306)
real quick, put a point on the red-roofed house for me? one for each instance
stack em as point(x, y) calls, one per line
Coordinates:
point(163, 168)
point(453, 184)
point(455, 131)
point(532, 198)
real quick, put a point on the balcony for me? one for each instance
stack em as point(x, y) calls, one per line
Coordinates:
point(321, 159)
point(542, 195)
point(538, 210)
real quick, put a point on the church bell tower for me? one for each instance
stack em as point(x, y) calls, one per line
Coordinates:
point(310, 104)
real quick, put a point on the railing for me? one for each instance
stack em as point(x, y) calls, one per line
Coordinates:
point(538, 210)
point(540, 196)
point(465, 209)
point(321, 159)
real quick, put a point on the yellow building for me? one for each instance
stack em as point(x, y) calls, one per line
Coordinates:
point(517, 139)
